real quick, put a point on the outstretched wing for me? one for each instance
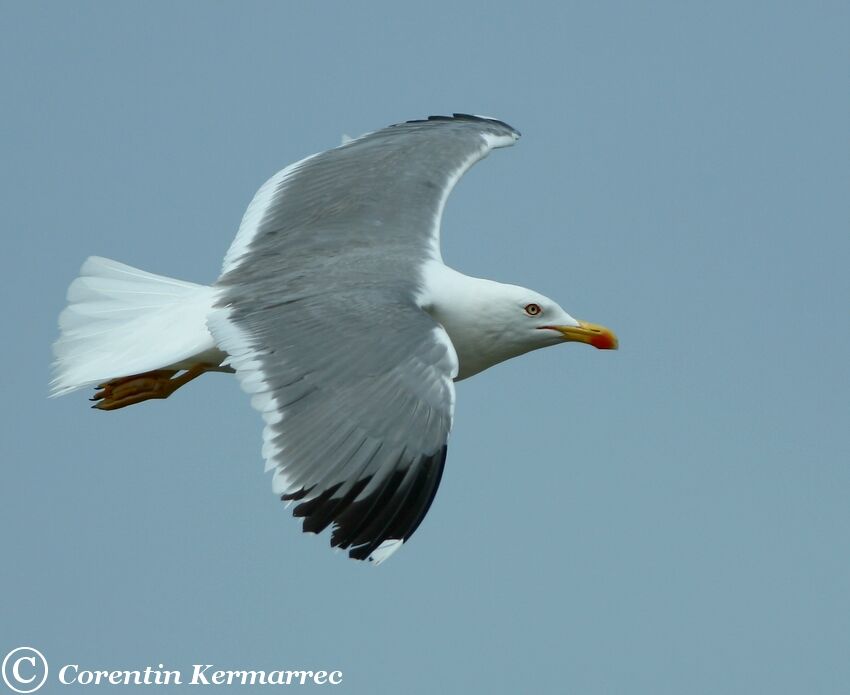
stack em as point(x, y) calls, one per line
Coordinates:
point(318, 311)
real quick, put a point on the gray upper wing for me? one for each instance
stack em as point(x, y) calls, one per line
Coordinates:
point(318, 312)
point(382, 193)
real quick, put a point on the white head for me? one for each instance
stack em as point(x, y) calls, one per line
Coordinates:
point(489, 322)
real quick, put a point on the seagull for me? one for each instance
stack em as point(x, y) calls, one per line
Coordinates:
point(338, 316)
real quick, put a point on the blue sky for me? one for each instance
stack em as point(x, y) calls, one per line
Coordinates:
point(669, 518)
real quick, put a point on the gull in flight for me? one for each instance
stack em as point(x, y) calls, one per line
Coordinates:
point(338, 316)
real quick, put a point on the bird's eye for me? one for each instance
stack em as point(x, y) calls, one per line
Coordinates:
point(532, 309)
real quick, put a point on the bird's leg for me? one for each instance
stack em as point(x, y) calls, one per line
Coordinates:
point(129, 390)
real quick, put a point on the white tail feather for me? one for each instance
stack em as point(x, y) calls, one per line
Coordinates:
point(122, 321)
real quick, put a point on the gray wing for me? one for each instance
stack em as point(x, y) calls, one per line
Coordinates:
point(318, 311)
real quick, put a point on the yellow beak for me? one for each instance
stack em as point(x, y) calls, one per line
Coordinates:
point(590, 333)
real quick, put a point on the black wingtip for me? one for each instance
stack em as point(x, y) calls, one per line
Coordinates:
point(393, 511)
point(467, 117)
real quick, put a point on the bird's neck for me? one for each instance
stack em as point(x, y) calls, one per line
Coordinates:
point(463, 306)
